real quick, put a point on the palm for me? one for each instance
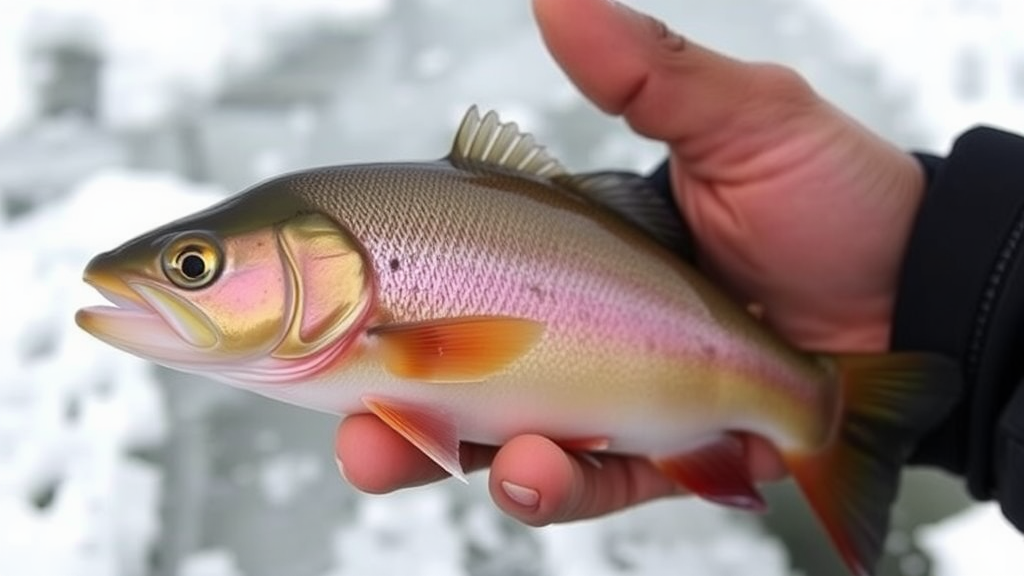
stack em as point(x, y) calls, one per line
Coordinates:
point(802, 218)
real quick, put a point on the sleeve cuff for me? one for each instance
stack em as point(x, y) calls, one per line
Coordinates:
point(961, 294)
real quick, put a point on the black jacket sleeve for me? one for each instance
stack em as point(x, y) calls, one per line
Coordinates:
point(961, 294)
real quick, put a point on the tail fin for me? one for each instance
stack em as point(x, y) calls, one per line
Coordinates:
point(889, 401)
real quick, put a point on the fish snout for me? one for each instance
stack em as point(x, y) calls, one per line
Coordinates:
point(101, 274)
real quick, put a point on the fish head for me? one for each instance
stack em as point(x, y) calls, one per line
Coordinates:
point(257, 289)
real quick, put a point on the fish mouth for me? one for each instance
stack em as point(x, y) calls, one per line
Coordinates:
point(145, 320)
point(128, 305)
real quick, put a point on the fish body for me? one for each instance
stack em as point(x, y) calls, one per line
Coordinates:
point(491, 294)
point(623, 321)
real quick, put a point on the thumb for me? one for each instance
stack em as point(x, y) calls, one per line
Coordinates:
point(667, 87)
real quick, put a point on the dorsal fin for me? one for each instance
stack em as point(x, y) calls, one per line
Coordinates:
point(488, 142)
point(634, 198)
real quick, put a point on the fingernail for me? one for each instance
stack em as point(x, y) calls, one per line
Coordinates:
point(525, 497)
point(341, 467)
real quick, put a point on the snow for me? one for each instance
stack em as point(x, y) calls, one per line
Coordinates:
point(961, 62)
point(15, 98)
point(210, 563)
point(282, 476)
point(76, 496)
point(389, 531)
point(83, 487)
point(161, 53)
point(975, 541)
point(690, 534)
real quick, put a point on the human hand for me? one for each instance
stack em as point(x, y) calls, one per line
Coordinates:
point(796, 208)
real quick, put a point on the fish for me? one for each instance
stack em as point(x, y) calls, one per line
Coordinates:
point(493, 293)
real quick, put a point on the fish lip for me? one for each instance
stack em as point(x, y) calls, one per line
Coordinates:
point(131, 324)
point(124, 308)
point(126, 302)
point(113, 287)
point(120, 301)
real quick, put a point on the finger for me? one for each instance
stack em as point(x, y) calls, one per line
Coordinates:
point(667, 87)
point(535, 481)
point(763, 459)
point(376, 459)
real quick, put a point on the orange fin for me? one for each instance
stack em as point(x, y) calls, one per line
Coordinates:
point(889, 402)
point(435, 435)
point(466, 349)
point(716, 471)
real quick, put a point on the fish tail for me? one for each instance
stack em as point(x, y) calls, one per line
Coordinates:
point(888, 403)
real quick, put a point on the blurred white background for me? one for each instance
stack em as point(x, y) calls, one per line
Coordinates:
point(116, 115)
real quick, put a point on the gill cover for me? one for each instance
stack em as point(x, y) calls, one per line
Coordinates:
point(330, 286)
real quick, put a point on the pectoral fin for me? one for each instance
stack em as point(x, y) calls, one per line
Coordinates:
point(435, 435)
point(466, 349)
point(716, 471)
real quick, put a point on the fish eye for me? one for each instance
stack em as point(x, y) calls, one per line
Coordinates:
point(192, 262)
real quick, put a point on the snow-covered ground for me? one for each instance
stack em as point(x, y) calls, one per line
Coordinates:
point(975, 541)
point(109, 467)
point(77, 493)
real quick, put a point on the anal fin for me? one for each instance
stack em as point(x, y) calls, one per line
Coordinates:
point(716, 471)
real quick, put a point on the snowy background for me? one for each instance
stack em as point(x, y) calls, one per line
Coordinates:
point(118, 115)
